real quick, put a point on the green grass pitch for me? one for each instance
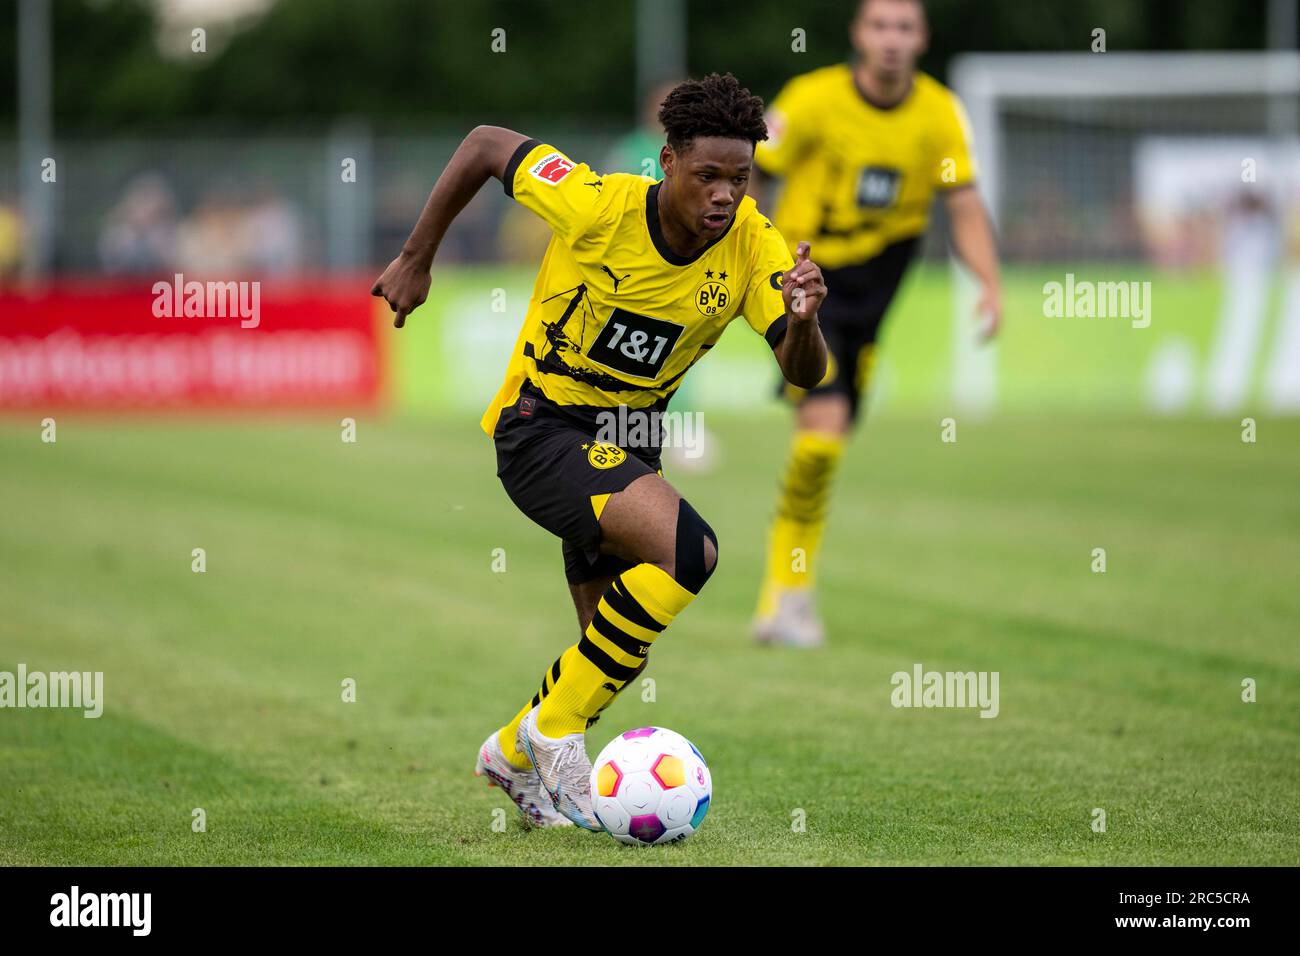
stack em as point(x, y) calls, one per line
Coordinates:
point(373, 561)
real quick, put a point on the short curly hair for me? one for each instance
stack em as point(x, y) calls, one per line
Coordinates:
point(716, 105)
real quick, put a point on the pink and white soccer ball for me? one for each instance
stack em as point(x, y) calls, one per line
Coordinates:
point(650, 785)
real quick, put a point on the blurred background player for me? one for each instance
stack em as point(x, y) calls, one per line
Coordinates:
point(862, 149)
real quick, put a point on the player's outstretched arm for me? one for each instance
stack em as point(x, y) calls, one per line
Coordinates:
point(484, 152)
point(973, 241)
point(802, 350)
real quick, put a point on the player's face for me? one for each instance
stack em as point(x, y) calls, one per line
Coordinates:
point(889, 35)
point(707, 181)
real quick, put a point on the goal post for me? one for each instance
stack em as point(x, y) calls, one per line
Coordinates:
point(988, 84)
point(1152, 160)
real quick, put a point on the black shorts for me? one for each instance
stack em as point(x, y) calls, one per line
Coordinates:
point(558, 474)
point(857, 298)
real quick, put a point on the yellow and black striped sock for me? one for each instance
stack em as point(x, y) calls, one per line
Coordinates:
point(796, 531)
point(632, 613)
point(508, 735)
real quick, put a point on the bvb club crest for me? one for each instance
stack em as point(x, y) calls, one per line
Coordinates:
point(603, 455)
point(712, 298)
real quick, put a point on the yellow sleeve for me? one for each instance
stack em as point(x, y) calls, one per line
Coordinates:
point(763, 307)
point(790, 130)
point(955, 163)
point(564, 193)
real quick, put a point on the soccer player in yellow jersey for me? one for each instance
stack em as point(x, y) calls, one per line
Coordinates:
point(861, 149)
point(639, 281)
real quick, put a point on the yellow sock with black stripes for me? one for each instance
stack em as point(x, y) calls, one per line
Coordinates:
point(632, 613)
point(508, 735)
point(796, 532)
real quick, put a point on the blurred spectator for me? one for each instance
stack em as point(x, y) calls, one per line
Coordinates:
point(209, 241)
point(273, 239)
point(11, 242)
point(400, 196)
point(139, 236)
point(226, 235)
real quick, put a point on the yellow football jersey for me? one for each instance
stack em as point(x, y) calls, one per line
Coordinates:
point(616, 317)
point(858, 177)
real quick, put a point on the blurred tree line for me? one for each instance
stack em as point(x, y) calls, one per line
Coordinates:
point(403, 64)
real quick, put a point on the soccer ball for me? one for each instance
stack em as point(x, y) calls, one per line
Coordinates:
point(650, 785)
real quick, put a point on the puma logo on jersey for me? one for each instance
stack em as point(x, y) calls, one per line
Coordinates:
point(617, 279)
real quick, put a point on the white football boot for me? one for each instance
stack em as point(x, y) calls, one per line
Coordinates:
point(795, 623)
point(564, 769)
point(522, 786)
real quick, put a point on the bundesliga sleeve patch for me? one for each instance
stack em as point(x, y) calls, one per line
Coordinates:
point(551, 168)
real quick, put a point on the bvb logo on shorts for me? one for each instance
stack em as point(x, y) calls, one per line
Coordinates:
point(604, 455)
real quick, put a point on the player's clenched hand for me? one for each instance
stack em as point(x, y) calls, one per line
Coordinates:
point(988, 312)
point(802, 287)
point(404, 286)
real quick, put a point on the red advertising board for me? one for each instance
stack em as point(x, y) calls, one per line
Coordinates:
point(182, 343)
